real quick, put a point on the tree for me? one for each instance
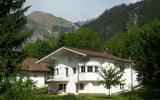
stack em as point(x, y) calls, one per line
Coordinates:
point(111, 77)
point(83, 39)
point(12, 23)
point(143, 45)
point(12, 36)
point(40, 48)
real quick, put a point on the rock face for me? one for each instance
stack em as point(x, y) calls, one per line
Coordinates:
point(47, 26)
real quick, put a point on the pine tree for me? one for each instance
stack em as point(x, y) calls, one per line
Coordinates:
point(12, 35)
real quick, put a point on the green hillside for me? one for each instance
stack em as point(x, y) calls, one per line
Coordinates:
point(122, 17)
point(47, 26)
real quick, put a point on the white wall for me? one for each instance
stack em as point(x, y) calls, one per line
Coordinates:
point(38, 78)
point(70, 60)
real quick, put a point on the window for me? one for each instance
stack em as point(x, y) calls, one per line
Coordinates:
point(96, 68)
point(121, 86)
point(74, 70)
point(89, 69)
point(80, 86)
point(56, 71)
point(83, 69)
point(60, 87)
point(67, 72)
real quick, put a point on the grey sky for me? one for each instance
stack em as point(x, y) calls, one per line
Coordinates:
point(74, 10)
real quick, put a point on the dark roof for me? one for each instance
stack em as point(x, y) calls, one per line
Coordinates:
point(100, 55)
point(30, 64)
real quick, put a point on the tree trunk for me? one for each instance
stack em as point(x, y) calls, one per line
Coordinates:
point(109, 92)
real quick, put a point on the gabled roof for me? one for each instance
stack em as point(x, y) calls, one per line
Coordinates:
point(31, 65)
point(88, 53)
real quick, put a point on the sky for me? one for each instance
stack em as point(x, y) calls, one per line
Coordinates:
point(74, 10)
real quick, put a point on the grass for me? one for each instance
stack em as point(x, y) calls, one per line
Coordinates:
point(140, 94)
point(88, 97)
point(41, 91)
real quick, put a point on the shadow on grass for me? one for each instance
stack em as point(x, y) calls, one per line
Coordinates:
point(144, 93)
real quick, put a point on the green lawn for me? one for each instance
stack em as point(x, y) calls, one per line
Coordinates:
point(140, 94)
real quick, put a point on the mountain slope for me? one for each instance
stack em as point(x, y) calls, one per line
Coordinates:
point(122, 17)
point(47, 26)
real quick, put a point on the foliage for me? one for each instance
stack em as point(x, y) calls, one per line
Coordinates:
point(90, 97)
point(122, 17)
point(12, 36)
point(111, 77)
point(12, 22)
point(145, 93)
point(21, 88)
point(142, 44)
point(41, 91)
point(40, 48)
point(83, 38)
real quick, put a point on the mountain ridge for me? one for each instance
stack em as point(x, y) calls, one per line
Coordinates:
point(47, 26)
point(123, 17)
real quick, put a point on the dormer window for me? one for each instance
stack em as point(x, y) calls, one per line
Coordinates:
point(89, 68)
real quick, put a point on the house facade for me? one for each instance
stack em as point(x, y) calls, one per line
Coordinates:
point(37, 72)
point(77, 71)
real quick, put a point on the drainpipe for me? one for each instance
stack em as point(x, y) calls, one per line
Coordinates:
point(131, 74)
point(77, 80)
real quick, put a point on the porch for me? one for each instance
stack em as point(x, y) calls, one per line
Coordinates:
point(56, 87)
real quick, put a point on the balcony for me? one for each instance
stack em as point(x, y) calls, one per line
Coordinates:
point(58, 78)
point(89, 76)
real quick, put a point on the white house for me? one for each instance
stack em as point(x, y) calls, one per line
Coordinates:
point(76, 71)
point(37, 72)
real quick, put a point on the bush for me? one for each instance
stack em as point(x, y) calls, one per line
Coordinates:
point(17, 88)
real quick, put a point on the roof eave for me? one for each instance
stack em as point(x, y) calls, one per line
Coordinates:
point(60, 50)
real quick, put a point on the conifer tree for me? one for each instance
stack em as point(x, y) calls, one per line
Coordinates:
point(12, 35)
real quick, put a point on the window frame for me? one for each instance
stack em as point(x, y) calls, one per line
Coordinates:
point(74, 70)
point(60, 87)
point(88, 69)
point(83, 70)
point(96, 69)
point(79, 86)
point(67, 72)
